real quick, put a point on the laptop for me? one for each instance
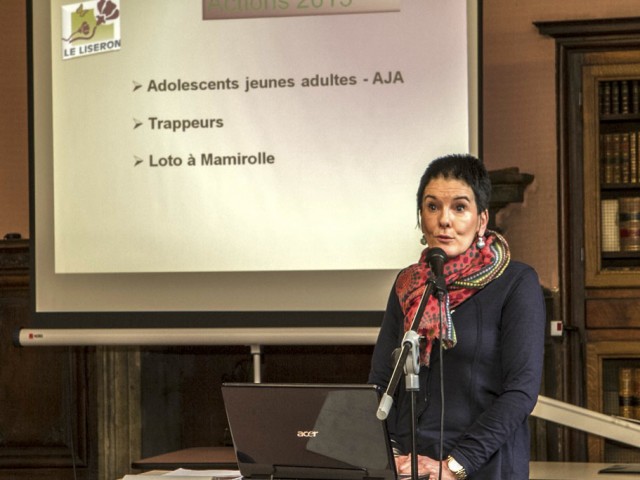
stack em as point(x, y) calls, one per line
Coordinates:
point(308, 431)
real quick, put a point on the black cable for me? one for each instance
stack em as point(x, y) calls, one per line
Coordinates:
point(70, 414)
point(440, 352)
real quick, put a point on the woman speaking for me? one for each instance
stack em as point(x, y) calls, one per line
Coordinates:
point(488, 342)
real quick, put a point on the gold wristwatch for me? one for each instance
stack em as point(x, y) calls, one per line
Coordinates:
point(457, 469)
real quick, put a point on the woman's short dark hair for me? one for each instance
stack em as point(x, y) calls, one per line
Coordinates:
point(464, 167)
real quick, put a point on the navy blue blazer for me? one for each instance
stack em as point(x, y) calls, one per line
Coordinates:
point(491, 378)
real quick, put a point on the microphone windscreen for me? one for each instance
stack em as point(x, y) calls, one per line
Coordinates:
point(436, 258)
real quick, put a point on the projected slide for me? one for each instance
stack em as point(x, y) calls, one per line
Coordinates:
point(249, 136)
point(235, 162)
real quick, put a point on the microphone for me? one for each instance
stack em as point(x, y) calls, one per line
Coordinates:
point(436, 258)
point(395, 355)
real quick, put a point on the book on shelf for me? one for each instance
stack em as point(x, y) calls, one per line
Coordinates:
point(604, 92)
point(620, 157)
point(629, 223)
point(606, 158)
point(610, 231)
point(615, 98)
point(624, 97)
point(629, 393)
point(624, 158)
point(625, 392)
point(607, 155)
point(619, 97)
point(633, 157)
point(616, 158)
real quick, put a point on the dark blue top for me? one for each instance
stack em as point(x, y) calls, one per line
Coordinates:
point(491, 378)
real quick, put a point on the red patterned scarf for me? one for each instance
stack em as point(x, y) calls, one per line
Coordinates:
point(464, 276)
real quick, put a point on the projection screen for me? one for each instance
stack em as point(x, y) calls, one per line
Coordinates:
point(237, 164)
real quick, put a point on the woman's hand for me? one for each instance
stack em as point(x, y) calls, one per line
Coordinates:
point(426, 466)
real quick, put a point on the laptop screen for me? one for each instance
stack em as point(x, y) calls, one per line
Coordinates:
point(308, 431)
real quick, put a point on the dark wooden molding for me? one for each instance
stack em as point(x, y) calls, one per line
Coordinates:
point(507, 186)
point(590, 27)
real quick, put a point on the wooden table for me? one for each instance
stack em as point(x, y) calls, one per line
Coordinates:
point(575, 471)
point(197, 458)
point(209, 458)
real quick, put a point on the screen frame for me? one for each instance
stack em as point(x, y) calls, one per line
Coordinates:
point(221, 321)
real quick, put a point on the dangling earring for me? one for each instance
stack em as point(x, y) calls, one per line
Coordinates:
point(423, 240)
point(480, 243)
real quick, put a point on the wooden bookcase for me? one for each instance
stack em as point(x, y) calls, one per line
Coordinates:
point(611, 192)
point(598, 98)
point(605, 363)
point(611, 111)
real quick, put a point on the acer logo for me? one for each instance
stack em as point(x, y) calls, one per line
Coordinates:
point(309, 433)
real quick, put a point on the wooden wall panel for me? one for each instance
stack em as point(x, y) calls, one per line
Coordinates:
point(613, 313)
point(44, 394)
point(14, 145)
point(180, 386)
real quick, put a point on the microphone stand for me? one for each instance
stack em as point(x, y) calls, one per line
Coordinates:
point(408, 361)
point(439, 293)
